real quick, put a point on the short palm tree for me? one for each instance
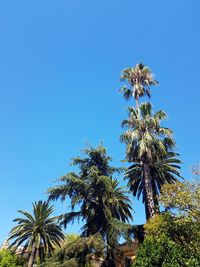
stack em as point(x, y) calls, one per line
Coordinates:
point(165, 170)
point(103, 204)
point(146, 142)
point(38, 232)
point(138, 80)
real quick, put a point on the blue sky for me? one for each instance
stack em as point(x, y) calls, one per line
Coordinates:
point(60, 63)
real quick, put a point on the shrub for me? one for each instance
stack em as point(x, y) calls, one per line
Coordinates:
point(8, 259)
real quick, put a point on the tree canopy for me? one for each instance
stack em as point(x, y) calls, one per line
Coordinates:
point(37, 232)
point(99, 195)
point(103, 204)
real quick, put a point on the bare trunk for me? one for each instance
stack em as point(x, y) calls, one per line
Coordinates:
point(150, 208)
point(137, 103)
point(32, 256)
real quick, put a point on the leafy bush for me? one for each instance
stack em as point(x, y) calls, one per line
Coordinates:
point(8, 259)
point(163, 252)
point(69, 253)
point(173, 238)
point(65, 263)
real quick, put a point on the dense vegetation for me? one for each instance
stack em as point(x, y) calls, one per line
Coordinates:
point(171, 235)
point(9, 259)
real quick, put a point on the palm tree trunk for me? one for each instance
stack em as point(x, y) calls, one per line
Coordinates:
point(148, 190)
point(32, 256)
point(137, 103)
point(155, 197)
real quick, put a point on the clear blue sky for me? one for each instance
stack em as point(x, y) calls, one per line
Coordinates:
point(60, 63)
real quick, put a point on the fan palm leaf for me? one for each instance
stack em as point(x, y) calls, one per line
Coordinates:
point(165, 170)
point(137, 80)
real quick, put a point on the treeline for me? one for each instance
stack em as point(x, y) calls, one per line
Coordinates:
point(94, 195)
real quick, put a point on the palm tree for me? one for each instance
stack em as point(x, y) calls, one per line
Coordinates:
point(138, 81)
point(38, 232)
point(165, 170)
point(103, 204)
point(146, 142)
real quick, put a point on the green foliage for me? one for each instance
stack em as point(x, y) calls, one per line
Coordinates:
point(138, 80)
point(85, 248)
point(181, 229)
point(163, 170)
point(183, 198)
point(70, 238)
point(60, 252)
point(161, 251)
point(103, 204)
point(60, 256)
point(8, 259)
point(147, 142)
point(145, 137)
point(72, 251)
point(38, 232)
point(173, 238)
point(67, 263)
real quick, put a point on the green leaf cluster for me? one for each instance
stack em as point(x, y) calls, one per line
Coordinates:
point(173, 237)
point(183, 198)
point(161, 251)
point(72, 251)
point(9, 259)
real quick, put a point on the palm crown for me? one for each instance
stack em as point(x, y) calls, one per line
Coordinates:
point(164, 170)
point(145, 138)
point(38, 232)
point(138, 80)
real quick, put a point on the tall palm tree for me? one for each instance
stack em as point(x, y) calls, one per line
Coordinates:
point(103, 204)
point(165, 170)
point(138, 80)
point(146, 141)
point(38, 232)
